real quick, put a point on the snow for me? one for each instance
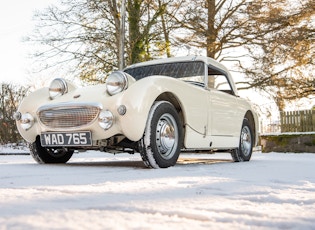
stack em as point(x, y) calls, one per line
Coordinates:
point(12, 149)
point(102, 191)
point(287, 134)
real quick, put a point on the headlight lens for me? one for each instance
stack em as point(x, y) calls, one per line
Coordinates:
point(58, 87)
point(27, 121)
point(17, 116)
point(116, 82)
point(106, 119)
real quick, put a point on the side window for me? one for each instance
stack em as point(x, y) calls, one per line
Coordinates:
point(220, 83)
point(196, 80)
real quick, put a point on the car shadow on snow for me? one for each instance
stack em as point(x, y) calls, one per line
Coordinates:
point(116, 163)
point(182, 161)
point(190, 161)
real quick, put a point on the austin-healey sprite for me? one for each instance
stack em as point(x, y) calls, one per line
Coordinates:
point(157, 108)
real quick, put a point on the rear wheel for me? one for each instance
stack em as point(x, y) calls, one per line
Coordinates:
point(44, 155)
point(162, 140)
point(244, 152)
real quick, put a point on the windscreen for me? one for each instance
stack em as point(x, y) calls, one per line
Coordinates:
point(175, 70)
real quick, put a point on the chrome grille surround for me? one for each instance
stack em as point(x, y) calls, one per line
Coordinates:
point(68, 115)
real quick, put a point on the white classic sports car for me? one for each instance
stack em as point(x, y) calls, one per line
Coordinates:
point(157, 108)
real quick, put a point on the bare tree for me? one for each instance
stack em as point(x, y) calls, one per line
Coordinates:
point(277, 35)
point(83, 34)
point(282, 50)
point(143, 17)
point(10, 97)
point(213, 26)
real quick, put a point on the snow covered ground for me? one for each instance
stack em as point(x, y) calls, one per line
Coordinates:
point(103, 191)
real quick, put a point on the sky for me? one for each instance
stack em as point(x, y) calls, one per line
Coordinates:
point(16, 23)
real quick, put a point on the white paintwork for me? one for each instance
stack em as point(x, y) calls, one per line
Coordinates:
point(209, 116)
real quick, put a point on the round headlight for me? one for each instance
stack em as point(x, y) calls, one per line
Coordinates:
point(27, 121)
point(106, 119)
point(58, 87)
point(116, 82)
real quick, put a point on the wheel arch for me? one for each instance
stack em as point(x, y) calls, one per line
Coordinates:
point(173, 99)
point(170, 97)
point(250, 117)
point(162, 141)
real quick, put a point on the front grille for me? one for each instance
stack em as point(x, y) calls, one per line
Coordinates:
point(68, 116)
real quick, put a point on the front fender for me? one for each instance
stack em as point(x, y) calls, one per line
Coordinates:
point(139, 98)
point(29, 105)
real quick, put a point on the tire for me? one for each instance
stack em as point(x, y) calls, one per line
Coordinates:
point(245, 149)
point(44, 155)
point(163, 136)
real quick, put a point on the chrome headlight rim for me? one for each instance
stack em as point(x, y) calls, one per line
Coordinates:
point(26, 121)
point(106, 119)
point(116, 82)
point(57, 88)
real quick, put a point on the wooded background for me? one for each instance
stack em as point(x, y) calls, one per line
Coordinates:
point(270, 43)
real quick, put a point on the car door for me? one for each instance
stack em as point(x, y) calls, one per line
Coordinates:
point(223, 124)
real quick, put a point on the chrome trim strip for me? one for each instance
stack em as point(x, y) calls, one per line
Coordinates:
point(69, 105)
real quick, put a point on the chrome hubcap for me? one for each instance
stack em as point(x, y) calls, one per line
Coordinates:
point(167, 136)
point(246, 141)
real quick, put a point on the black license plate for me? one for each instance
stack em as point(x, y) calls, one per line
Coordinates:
point(54, 139)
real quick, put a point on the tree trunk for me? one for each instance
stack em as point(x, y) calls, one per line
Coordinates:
point(135, 41)
point(121, 45)
point(211, 32)
point(166, 33)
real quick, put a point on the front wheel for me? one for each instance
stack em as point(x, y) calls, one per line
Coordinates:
point(162, 140)
point(44, 155)
point(244, 152)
